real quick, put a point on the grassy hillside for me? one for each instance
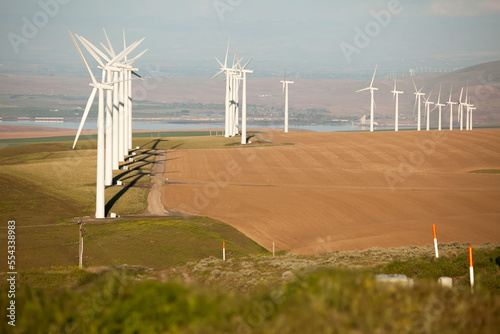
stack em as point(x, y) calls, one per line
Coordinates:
point(262, 294)
point(45, 186)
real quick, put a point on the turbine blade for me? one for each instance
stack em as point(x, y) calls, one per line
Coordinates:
point(416, 90)
point(94, 81)
point(85, 114)
point(227, 51)
point(362, 90)
point(95, 49)
point(221, 65)
point(439, 97)
point(461, 93)
point(106, 49)
point(124, 43)
point(136, 74)
point(238, 60)
point(215, 76)
point(109, 44)
point(248, 62)
point(451, 89)
point(122, 54)
point(139, 56)
point(373, 79)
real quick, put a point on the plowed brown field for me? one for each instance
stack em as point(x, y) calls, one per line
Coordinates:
point(346, 191)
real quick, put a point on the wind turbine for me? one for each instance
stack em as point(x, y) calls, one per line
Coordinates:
point(236, 77)
point(450, 103)
point(129, 70)
point(427, 108)
point(244, 72)
point(285, 90)
point(372, 104)
point(228, 71)
point(418, 97)
point(439, 105)
point(461, 110)
point(469, 106)
point(395, 95)
point(100, 205)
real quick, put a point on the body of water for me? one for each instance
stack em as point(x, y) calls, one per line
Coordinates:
point(162, 126)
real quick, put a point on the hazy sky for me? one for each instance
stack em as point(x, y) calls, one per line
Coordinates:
point(321, 36)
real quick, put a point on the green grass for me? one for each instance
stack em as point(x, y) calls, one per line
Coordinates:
point(322, 300)
point(5, 143)
point(487, 171)
point(43, 186)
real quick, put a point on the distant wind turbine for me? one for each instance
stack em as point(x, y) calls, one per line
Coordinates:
point(395, 95)
point(372, 102)
point(228, 71)
point(450, 103)
point(418, 97)
point(285, 91)
point(244, 72)
point(428, 111)
point(461, 109)
point(439, 105)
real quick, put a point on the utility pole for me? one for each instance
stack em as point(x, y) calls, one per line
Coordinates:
point(80, 244)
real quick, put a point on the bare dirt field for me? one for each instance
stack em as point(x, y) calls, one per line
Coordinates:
point(346, 191)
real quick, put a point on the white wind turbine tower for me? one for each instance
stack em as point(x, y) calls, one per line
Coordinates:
point(285, 90)
point(395, 95)
point(372, 104)
point(418, 100)
point(450, 103)
point(228, 71)
point(439, 105)
point(244, 72)
point(469, 106)
point(428, 111)
point(236, 77)
point(470, 119)
point(461, 109)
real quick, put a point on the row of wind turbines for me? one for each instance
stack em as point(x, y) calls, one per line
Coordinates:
point(114, 132)
point(234, 75)
point(418, 103)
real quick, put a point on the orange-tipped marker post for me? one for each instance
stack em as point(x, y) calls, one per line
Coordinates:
point(471, 269)
point(224, 250)
point(435, 240)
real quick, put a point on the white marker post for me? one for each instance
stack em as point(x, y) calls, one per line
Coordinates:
point(471, 270)
point(224, 250)
point(435, 240)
